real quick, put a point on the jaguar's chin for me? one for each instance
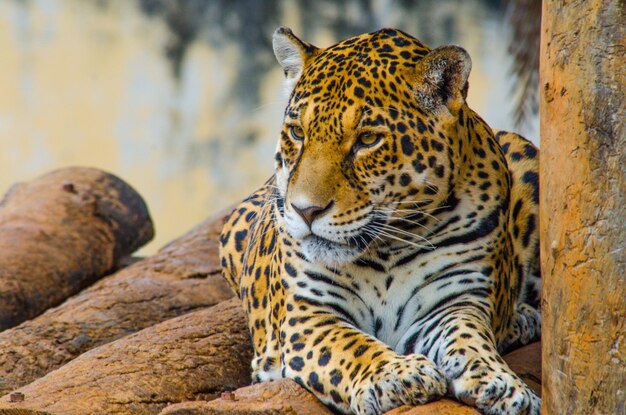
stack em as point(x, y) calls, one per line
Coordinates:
point(322, 251)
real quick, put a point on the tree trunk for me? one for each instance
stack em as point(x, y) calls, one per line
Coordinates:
point(61, 232)
point(583, 207)
point(183, 276)
point(281, 397)
point(195, 356)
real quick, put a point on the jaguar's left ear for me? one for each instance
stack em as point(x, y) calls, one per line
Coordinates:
point(441, 78)
point(291, 53)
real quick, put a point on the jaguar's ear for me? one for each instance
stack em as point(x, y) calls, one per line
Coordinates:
point(442, 78)
point(291, 53)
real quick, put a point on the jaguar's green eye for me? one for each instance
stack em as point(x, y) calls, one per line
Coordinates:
point(296, 132)
point(369, 139)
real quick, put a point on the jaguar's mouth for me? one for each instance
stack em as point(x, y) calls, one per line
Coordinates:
point(322, 242)
point(360, 241)
point(322, 250)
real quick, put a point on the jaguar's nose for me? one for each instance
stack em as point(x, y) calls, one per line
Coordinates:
point(310, 213)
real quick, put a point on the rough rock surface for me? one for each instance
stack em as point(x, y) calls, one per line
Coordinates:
point(183, 276)
point(61, 232)
point(195, 356)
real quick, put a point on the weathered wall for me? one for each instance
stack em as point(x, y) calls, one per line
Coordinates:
point(583, 213)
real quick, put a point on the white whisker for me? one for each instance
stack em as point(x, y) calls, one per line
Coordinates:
point(388, 235)
point(402, 232)
point(387, 211)
point(412, 222)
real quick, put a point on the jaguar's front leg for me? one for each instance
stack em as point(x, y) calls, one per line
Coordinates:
point(464, 348)
point(349, 369)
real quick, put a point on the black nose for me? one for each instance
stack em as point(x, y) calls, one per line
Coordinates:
point(310, 213)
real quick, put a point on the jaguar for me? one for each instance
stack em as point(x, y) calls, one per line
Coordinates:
point(392, 258)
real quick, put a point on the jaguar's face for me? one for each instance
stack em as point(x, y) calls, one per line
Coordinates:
point(360, 159)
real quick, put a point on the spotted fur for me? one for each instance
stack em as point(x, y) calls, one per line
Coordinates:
point(393, 255)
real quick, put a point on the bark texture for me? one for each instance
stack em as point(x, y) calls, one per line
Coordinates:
point(583, 206)
point(282, 397)
point(195, 356)
point(183, 276)
point(61, 232)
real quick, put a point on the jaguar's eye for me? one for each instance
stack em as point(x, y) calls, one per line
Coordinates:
point(296, 132)
point(369, 139)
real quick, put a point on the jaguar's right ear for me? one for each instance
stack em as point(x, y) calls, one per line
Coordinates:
point(291, 53)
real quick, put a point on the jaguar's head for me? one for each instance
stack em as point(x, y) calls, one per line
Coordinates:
point(369, 142)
